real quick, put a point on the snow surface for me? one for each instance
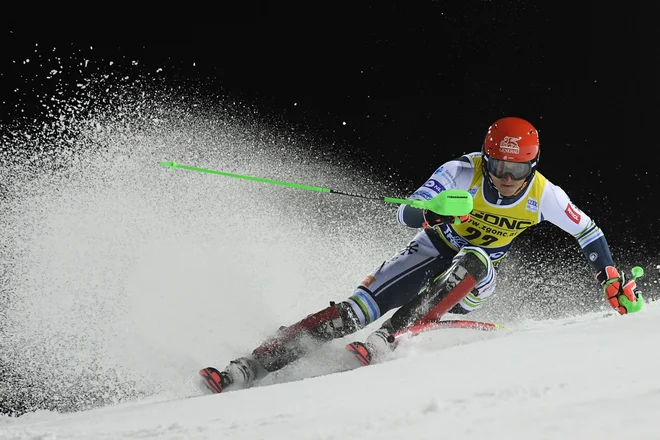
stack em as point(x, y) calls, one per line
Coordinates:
point(590, 377)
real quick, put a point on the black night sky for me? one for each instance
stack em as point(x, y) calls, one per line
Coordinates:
point(408, 83)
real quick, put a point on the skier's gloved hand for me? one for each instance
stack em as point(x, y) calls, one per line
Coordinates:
point(622, 294)
point(431, 219)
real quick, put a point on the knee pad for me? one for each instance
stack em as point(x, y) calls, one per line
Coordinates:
point(475, 260)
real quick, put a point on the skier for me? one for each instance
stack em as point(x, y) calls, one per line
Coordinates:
point(450, 264)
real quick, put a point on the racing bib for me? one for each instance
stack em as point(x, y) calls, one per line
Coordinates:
point(493, 227)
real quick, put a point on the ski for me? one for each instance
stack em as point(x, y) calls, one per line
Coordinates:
point(356, 353)
point(361, 352)
point(422, 327)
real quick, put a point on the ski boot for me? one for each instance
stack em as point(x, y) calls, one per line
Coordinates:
point(286, 346)
point(376, 348)
point(239, 374)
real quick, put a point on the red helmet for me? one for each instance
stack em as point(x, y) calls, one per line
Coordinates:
point(511, 140)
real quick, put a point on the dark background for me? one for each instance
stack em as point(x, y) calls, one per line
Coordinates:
point(406, 85)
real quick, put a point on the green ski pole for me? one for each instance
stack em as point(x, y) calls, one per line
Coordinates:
point(452, 202)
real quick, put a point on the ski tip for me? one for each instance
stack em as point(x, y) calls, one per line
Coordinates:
point(212, 379)
point(359, 350)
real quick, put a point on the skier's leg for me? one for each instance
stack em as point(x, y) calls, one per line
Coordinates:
point(397, 281)
point(471, 270)
point(470, 267)
point(391, 284)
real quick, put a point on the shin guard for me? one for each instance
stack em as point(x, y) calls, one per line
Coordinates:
point(288, 345)
point(442, 293)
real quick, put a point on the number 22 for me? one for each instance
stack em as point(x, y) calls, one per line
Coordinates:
point(475, 233)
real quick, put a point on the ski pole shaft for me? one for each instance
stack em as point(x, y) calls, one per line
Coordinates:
point(449, 202)
point(174, 165)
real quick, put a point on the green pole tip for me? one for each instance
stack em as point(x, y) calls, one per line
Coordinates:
point(172, 164)
point(637, 272)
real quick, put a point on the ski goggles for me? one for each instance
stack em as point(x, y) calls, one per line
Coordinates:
point(517, 170)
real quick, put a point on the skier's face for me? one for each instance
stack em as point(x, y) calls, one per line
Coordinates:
point(506, 185)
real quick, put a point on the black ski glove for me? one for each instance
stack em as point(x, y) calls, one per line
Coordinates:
point(432, 220)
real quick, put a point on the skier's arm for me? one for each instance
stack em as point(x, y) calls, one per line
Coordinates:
point(557, 208)
point(455, 174)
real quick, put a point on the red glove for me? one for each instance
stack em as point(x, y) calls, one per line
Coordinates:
point(622, 294)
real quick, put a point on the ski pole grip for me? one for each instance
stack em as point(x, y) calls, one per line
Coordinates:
point(451, 202)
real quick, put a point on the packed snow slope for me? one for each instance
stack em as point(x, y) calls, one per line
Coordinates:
point(590, 377)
